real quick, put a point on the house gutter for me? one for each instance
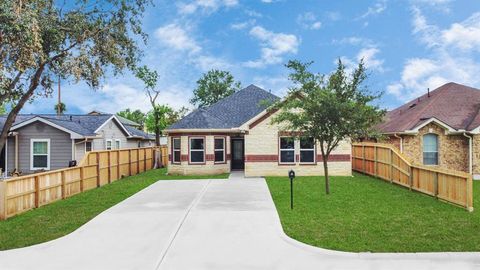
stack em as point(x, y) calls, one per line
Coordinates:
point(470, 152)
point(401, 141)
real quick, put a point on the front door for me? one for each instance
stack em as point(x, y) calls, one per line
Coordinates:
point(238, 154)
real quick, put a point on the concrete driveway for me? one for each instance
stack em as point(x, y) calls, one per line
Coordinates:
point(204, 224)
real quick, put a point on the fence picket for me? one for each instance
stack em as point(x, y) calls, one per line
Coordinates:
point(455, 187)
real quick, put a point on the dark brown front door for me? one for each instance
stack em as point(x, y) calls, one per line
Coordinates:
point(238, 154)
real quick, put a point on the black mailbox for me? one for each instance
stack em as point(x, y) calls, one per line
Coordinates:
point(72, 163)
point(291, 174)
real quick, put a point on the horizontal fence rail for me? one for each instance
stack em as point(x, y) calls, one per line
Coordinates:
point(97, 168)
point(385, 162)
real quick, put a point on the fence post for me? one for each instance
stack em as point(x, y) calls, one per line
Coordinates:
point(435, 185)
point(109, 168)
point(3, 199)
point(469, 190)
point(138, 160)
point(82, 176)
point(118, 164)
point(62, 175)
point(129, 162)
point(391, 165)
point(363, 159)
point(410, 177)
point(375, 161)
point(98, 169)
point(144, 159)
point(37, 191)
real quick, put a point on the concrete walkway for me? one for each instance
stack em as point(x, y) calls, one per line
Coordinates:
point(204, 224)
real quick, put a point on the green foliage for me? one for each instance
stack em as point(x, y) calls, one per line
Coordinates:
point(213, 86)
point(149, 77)
point(136, 116)
point(63, 107)
point(58, 219)
point(367, 214)
point(328, 108)
point(166, 116)
point(45, 39)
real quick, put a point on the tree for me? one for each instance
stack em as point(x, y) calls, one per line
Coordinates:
point(62, 109)
point(136, 116)
point(150, 80)
point(45, 39)
point(328, 110)
point(213, 86)
point(166, 116)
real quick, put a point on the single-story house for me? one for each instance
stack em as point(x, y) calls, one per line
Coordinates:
point(236, 134)
point(47, 141)
point(439, 128)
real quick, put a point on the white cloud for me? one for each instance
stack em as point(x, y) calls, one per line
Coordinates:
point(379, 7)
point(370, 58)
point(274, 46)
point(355, 41)
point(451, 57)
point(308, 20)
point(176, 37)
point(242, 25)
point(205, 6)
point(278, 85)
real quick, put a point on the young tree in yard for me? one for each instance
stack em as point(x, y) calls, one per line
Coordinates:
point(329, 108)
point(166, 115)
point(45, 39)
point(136, 116)
point(213, 86)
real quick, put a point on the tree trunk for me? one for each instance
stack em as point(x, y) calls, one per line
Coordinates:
point(12, 115)
point(325, 169)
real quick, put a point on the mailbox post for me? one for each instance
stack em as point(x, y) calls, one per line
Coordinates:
point(291, 175)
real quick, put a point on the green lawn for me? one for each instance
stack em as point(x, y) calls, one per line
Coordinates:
point(367, 214)
point(63, 217)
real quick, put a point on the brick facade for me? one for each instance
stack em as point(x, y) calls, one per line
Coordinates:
point(452, 149)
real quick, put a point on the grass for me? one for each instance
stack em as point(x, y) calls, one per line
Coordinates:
point(366, 214)
point(63, 217)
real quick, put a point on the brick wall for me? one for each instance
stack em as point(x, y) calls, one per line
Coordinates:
point(452, 149)
point(261, 151)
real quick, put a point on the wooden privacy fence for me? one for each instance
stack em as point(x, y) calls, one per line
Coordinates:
point(98, 168)
point(385, 162)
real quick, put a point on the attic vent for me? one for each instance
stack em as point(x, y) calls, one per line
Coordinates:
point(413, 105)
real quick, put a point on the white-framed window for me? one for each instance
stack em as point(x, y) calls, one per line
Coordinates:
point(88, 146)
point(108, 144)
point(197, 150)
point(307, 150)
point(219, 150)
point(287, 150)
point(39, 154)
point(430, 149)
point(176, 150)
point(118, 144)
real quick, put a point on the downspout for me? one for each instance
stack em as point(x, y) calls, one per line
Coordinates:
point(16, 152)
point(470, 154)
point(401, 141)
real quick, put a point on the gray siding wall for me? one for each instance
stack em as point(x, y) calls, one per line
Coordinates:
point(113, 131)
point(79, 150)
point(10, 154)
point(60, 146)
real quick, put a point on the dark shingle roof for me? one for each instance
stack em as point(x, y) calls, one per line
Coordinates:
point(453, 104)
point(84, 125)
point(230, 112)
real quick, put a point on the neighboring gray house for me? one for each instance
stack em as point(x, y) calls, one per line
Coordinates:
point(48, 142)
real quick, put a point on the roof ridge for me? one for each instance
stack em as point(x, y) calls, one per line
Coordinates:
point(439, 91)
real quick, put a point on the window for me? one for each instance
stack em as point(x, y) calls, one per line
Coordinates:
point(108, 144)
point(197, 150)
point(307, 150)
point(219, 150)
point(287, 150)
point(117, 144)
point(40, 154)
point(176, 146)
point(430, 149)
point(88, 146)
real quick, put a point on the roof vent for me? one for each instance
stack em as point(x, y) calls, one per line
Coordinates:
point(412, 105)
point(70, 118)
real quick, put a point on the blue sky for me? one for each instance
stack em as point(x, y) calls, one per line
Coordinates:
point(408, 46)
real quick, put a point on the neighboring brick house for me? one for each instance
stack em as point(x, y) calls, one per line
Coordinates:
point(440, 128)
point(236, 134)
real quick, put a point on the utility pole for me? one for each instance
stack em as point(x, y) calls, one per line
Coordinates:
point(59, 109)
